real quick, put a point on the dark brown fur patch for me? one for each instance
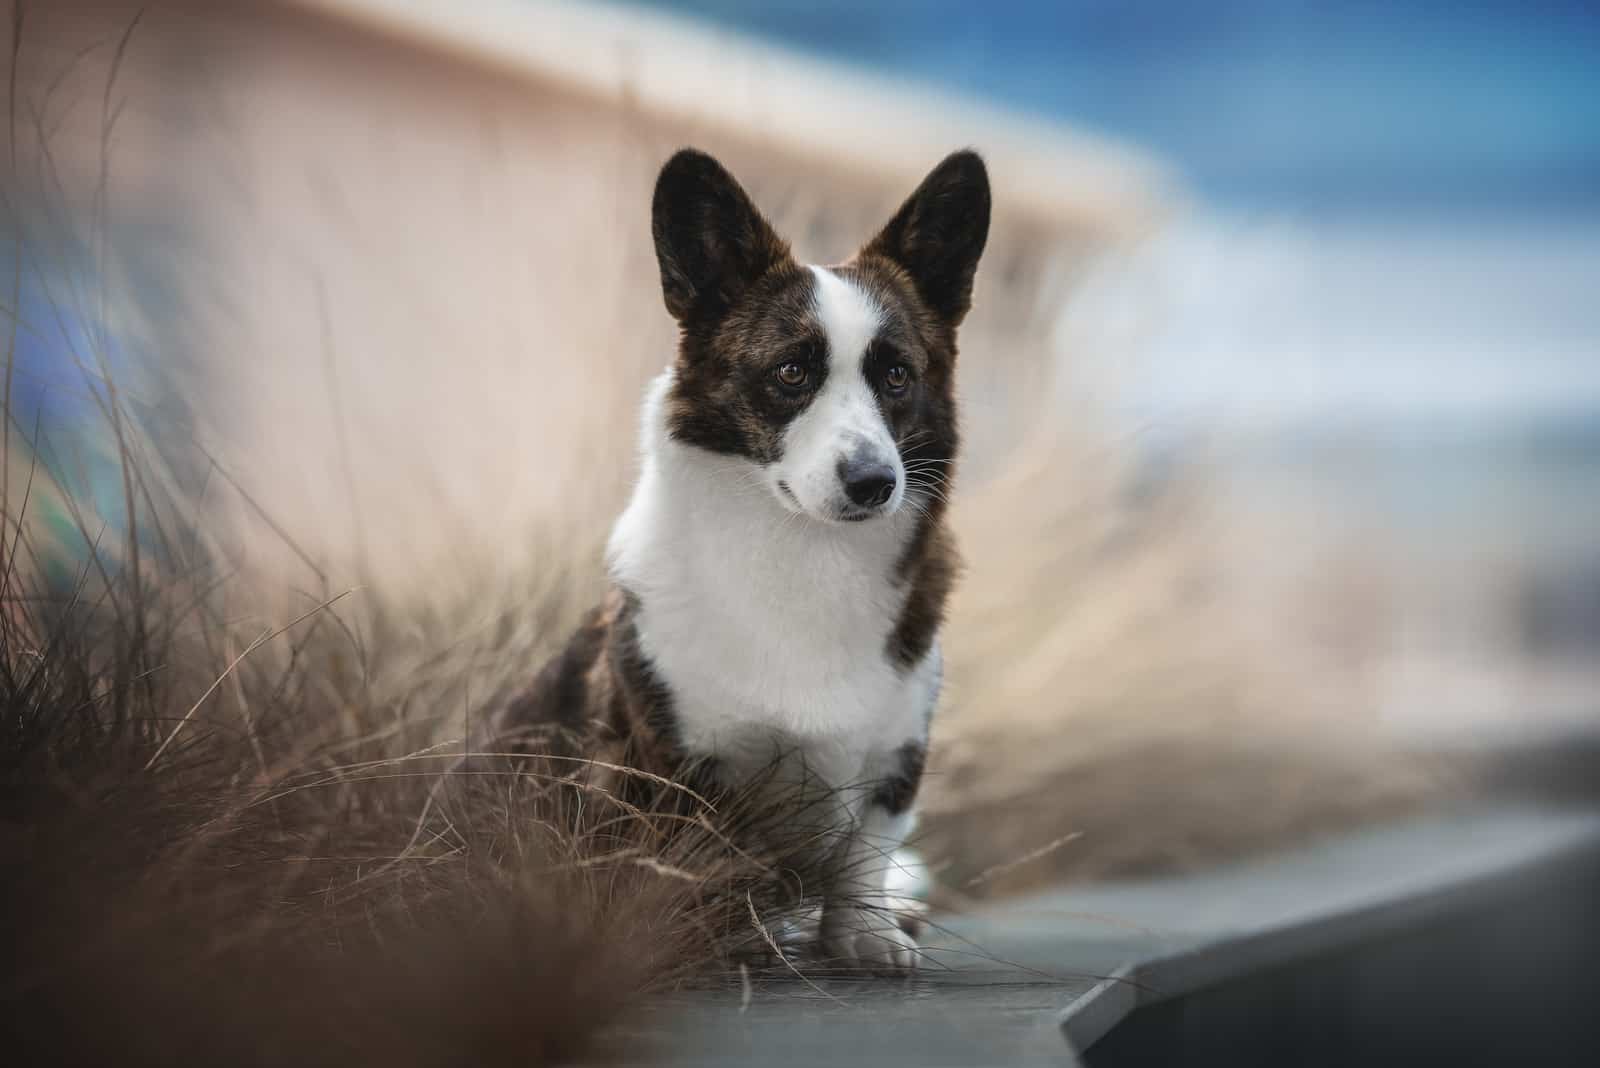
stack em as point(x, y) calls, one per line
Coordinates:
point(724, 396)
point(898, 790)
point(553, 713)
point(930, 565)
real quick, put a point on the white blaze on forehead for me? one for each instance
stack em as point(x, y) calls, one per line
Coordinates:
point(849, 316)
point(843, 420)
point(844, 415)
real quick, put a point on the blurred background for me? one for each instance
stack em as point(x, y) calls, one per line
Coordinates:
point(1282, 498)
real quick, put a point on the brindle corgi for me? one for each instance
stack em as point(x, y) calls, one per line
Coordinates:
point(781, 571)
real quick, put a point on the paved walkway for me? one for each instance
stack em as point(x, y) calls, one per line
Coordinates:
point(1027, 982)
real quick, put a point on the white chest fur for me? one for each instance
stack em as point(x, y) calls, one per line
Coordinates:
point(768, 627)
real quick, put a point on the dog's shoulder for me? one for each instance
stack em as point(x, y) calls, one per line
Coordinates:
point(557, 707)
point(598, 698)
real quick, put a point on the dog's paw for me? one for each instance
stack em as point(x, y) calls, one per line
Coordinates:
point(870, 939)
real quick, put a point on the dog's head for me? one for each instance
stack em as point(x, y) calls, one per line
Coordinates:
point(836, 382)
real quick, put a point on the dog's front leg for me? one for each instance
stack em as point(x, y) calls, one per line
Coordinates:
point(860, 923)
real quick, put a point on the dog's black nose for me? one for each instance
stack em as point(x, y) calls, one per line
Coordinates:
point(868, 483)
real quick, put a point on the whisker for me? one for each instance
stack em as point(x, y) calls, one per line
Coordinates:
point(922, 432)
point(930, 491)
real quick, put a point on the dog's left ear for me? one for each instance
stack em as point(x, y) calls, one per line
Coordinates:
point(939, 232)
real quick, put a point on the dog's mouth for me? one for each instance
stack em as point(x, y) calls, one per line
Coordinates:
point(844, 513)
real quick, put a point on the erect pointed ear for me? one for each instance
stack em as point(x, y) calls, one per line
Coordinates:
point(939, 232)
point(711, 242)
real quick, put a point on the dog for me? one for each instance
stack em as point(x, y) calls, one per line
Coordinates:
point(780, 573)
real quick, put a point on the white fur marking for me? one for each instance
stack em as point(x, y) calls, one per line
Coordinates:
point(843, 418)
point(849, 316)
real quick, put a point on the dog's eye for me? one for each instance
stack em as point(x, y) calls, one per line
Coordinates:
point(897, 377)
point(792, 374)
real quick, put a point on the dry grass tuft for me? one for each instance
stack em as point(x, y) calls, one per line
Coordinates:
point(213, 857)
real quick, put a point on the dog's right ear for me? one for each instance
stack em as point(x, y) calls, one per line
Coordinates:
point(939, 233)
point(711, 242)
